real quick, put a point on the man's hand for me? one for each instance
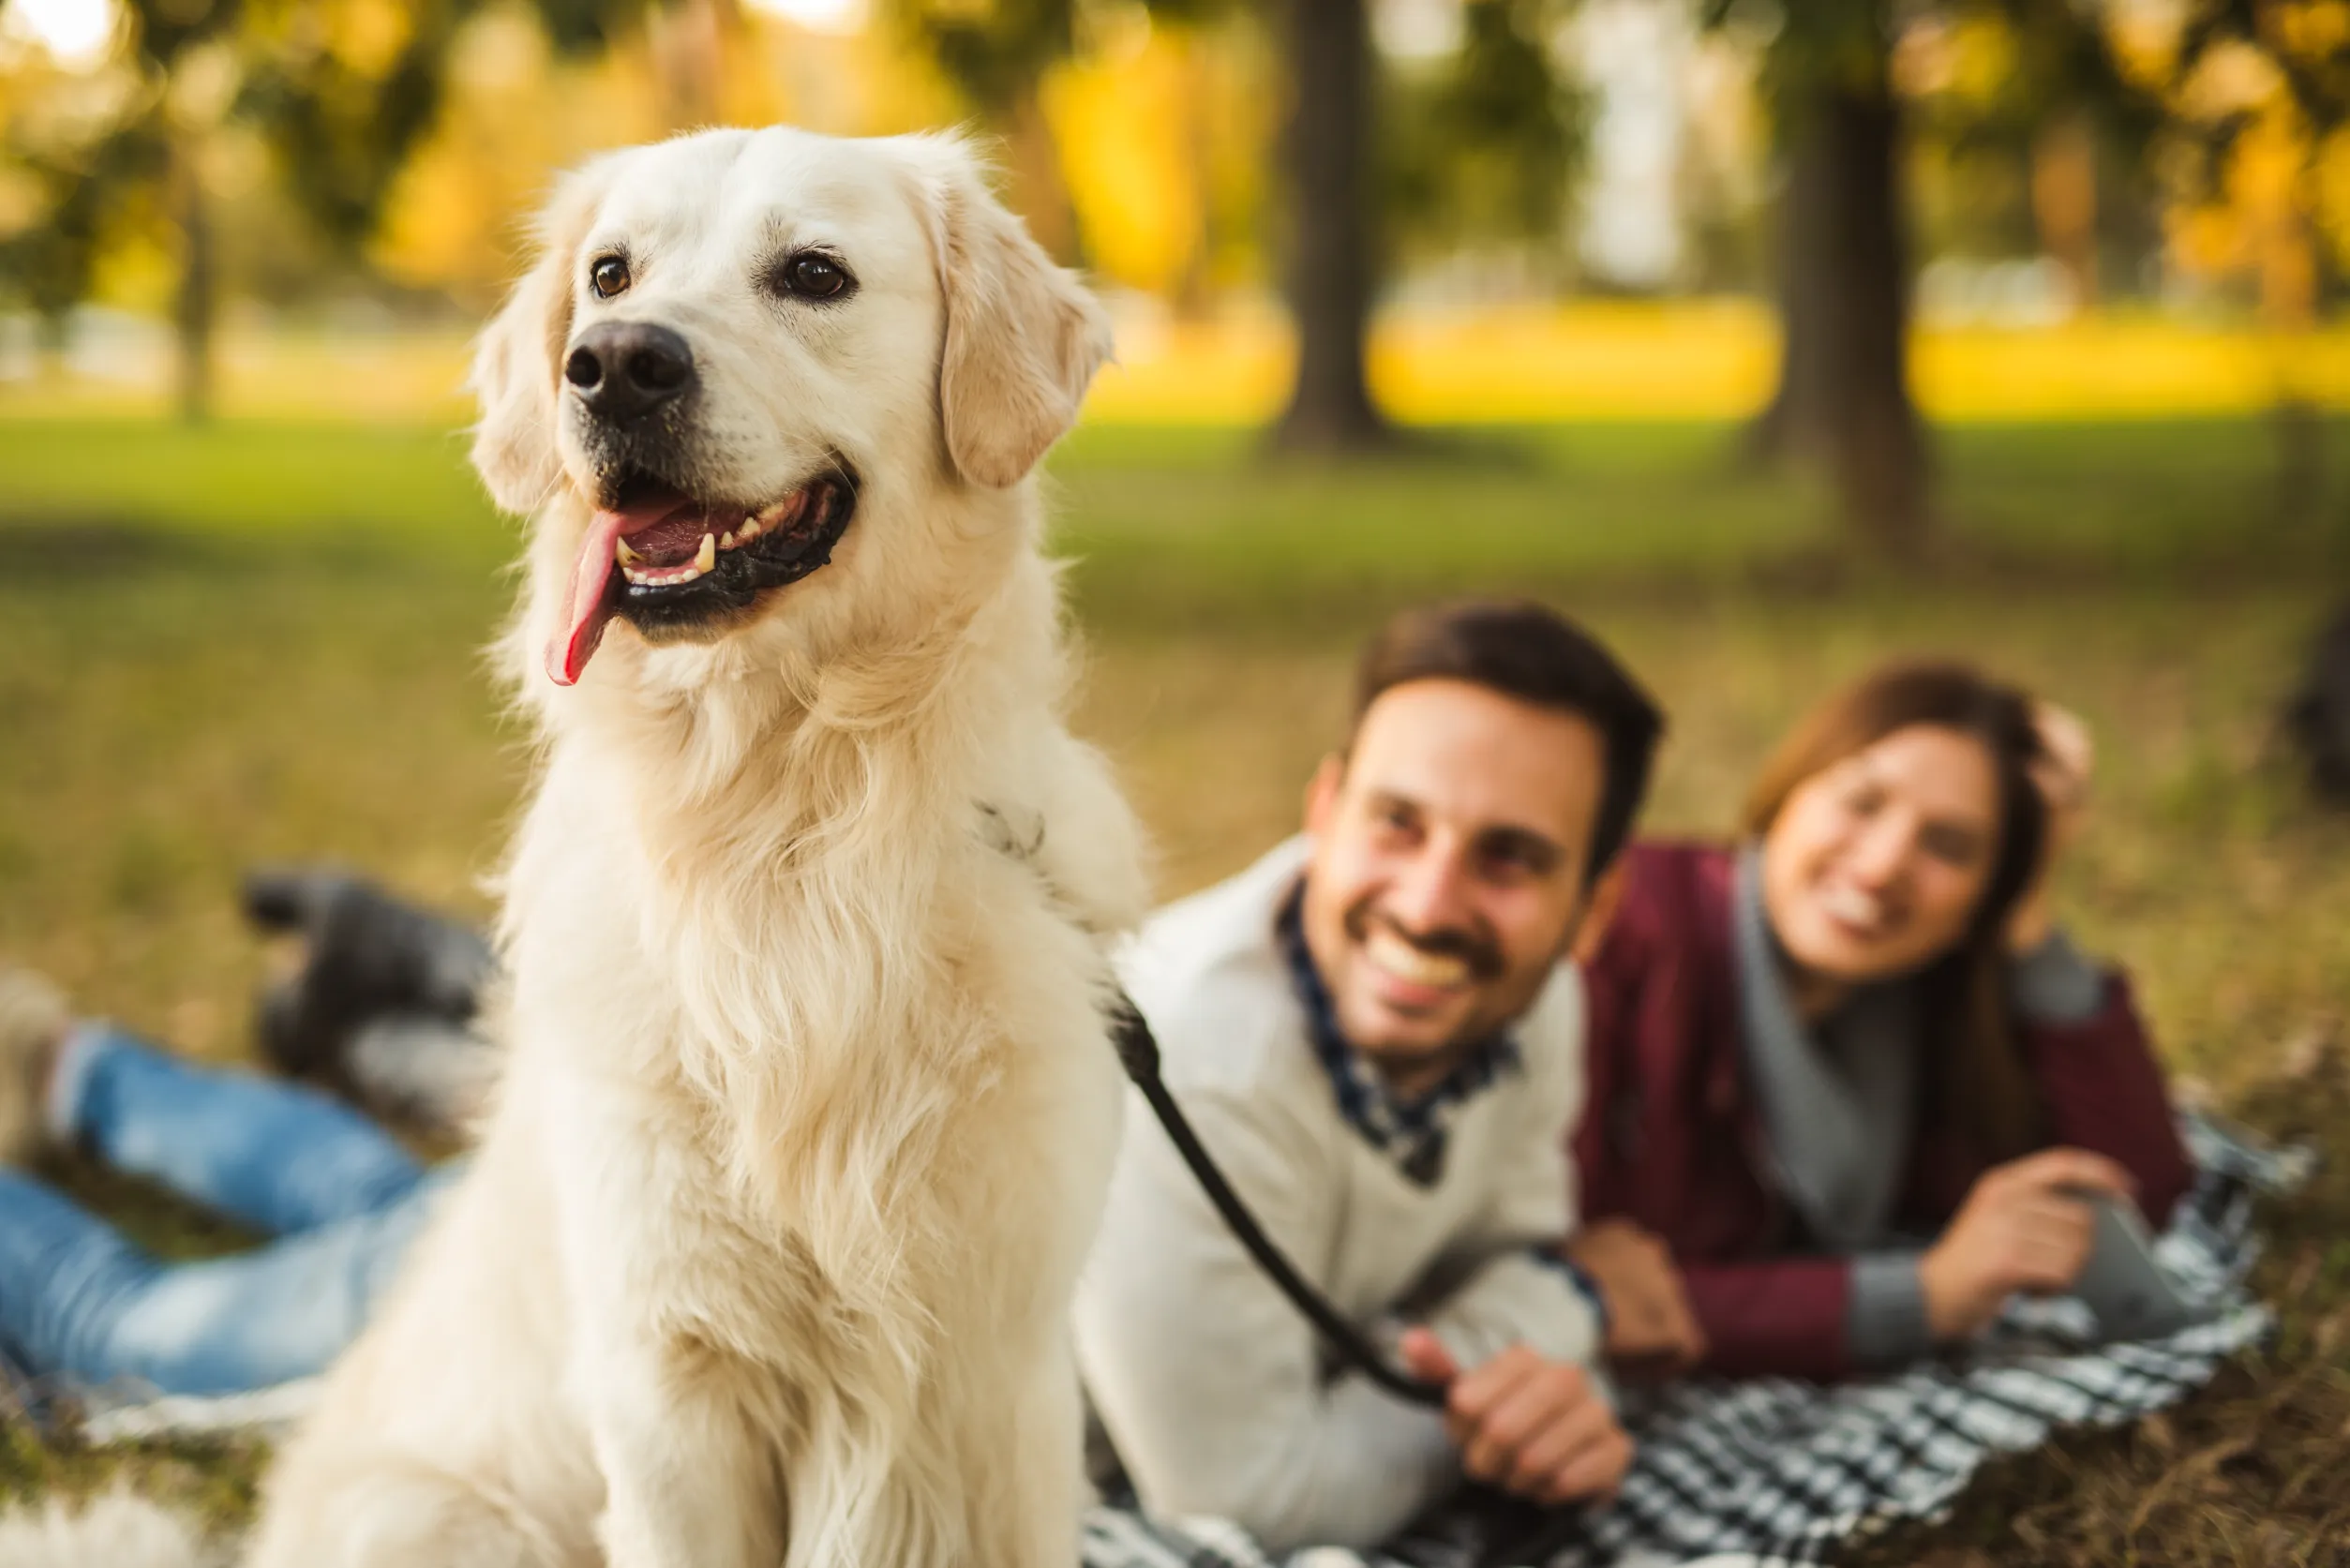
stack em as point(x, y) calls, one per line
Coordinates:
point(1650, 1327)
point(2027, 1226)
point(1534, 1426)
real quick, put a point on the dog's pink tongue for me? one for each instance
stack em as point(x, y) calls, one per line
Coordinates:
point(590, 605)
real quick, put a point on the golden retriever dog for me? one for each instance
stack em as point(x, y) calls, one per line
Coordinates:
point(766, 1253)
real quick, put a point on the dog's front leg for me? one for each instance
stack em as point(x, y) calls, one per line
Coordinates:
point(689, 1474)
point(685, 1486)
point(1029, 1478)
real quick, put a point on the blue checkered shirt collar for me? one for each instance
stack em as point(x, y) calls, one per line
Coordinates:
point(1411, 1133)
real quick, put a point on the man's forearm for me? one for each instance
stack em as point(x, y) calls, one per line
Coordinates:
point(1520, 1299)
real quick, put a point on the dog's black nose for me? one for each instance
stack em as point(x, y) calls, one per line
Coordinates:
point(623, 370)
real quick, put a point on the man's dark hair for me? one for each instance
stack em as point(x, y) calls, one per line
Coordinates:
point(1531, 652)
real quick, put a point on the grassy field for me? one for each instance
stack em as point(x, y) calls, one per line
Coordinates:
point(260, 642)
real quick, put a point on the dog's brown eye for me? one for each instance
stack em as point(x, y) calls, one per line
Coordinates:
point(815, 277)
point(608, 277)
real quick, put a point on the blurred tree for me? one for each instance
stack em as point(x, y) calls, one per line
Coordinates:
point(1329, 266)
point(340, 90)
point(1130, 119)
point(1494, 114)
point(997, 52)
point(2216, 92)
point(2259, 94)
point(101, 169)
point(2239, 104)
point(514, 110)
point(1483, 145)
point(1833, 80)
point(1843, 397)
point(83, 188)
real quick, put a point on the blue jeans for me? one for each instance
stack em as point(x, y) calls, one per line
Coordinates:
point(82, 1306)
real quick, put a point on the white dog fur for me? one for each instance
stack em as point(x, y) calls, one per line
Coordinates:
point(764, 1256)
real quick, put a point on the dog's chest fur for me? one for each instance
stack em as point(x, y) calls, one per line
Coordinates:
point(841, 1009)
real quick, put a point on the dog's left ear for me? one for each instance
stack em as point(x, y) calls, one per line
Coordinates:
point(517, 358)
point(1022, 335)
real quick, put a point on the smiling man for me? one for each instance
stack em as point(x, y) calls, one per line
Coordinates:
point(1378, 1035)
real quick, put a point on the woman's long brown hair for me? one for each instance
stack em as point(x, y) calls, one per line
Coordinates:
point(1977, 1082)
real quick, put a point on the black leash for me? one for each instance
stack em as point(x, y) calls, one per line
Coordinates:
point(1138, 1048)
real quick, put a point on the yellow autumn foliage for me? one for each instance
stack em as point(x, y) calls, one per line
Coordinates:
point(515, 115)
point(1127, 124)
point(1164, 135)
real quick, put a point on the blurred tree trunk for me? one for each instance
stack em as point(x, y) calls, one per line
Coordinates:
point(2288, 253)
point(52, 340)
point(1843, 399)
point(2064, 202)
point(690, 40)
point(193, 305)
point(1329, 276)
point(1039, 192)
point(1193, 295)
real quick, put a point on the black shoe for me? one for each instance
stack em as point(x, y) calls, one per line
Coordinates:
point(366, 956)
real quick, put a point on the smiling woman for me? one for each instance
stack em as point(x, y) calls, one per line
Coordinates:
point(1850, 1076)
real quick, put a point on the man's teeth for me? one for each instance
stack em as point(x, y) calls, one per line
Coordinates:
point(1405, 962)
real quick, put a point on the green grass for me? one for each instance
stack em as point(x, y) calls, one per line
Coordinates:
point(255, 642)
point(248, 483)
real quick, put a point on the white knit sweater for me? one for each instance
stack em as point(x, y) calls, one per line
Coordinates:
point(1214, 1390)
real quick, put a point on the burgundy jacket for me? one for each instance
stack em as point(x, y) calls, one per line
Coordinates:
point(1672, 1139)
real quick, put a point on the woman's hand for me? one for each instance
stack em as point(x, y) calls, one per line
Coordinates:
point(1651, 1328)
point(2026, 1227)
point(2067, 762)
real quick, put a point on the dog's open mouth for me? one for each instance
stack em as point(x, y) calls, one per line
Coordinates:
point(669, 561)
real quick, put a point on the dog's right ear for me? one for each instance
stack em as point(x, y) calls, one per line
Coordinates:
point(517, 369)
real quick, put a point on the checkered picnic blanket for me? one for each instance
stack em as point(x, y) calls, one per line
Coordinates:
point(1775, 1471)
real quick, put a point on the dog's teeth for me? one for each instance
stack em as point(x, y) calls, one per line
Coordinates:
point(725, 540)
point(707, 557)
point(633, 576)
point(621, 553)
point(748, 530)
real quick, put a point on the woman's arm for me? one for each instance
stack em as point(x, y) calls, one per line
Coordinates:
point(1774, 1317)
point(2082, 1037)
point(2103, 1090)
point(1811, 1317)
